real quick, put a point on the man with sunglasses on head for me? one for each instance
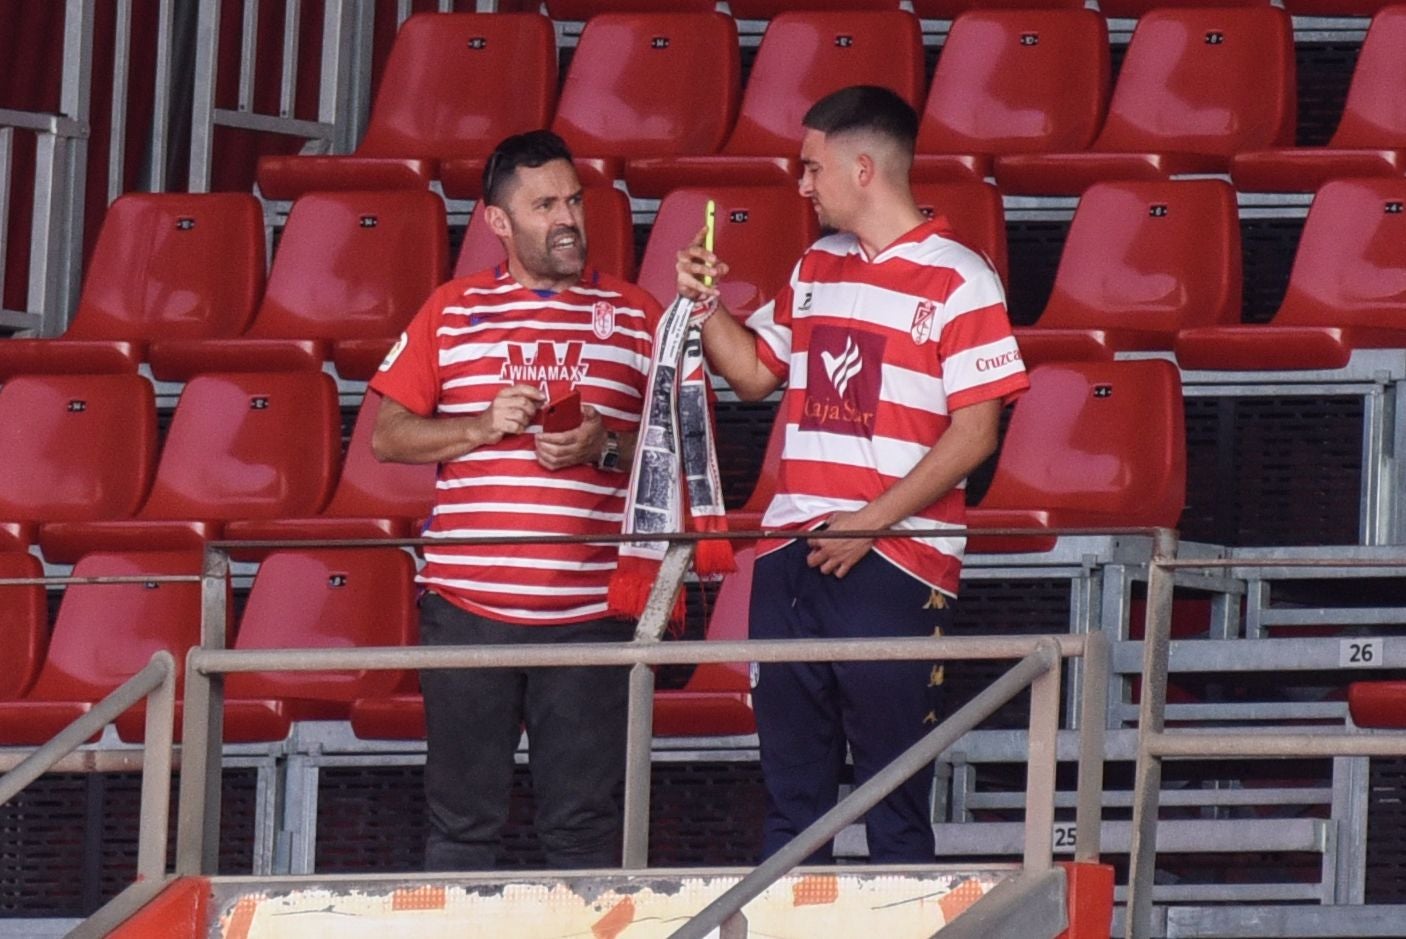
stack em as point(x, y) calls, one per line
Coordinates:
point(894, 343)
point(469, 386)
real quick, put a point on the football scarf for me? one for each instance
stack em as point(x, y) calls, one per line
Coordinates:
point(675, 466)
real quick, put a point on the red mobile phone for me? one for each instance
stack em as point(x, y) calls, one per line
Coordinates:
point(562, 414)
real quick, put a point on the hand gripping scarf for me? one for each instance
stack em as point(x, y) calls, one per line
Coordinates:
point(675, 463)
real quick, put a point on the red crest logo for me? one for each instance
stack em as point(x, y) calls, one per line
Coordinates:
point(922, 321)
point(603, 319)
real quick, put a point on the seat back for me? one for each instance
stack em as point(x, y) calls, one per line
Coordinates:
point(368, 488)
point(1375, 114)
point(354, 265)
point(173, 265)
point(106, 633)
point(766, 9)
point(1350, 268)
point(24, 624)
point(76, 447)
point(585, 9)
point(728, 621)
point(255, 445)
point(761, 232)
point(1096, 443)
point(976, 215)
point(643, 85)
point(1211, 81)
point(1157, 256)
point(610, 237)
point(804, 56)
point(765, 487)
point(457, 83)
point(323, 599)
point(951, 9)
point(1132, 9)
point(1018, 81)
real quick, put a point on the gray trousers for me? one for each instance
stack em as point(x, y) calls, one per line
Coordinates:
point(575, 720)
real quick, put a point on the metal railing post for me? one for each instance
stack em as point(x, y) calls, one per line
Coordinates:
point(1044, 659)
point(156, 777)
point(1093, 706)
point(202, 730)
point(202, 119)
point(1151, 716)
point(639, 737)
point(1040, 770)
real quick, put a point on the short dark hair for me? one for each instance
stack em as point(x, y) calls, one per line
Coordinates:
point(532, 149)
point(865, 108)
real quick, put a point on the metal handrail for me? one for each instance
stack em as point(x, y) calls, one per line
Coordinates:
point(156, 683)
point(198, 833)
point(1155, 744)
point(1035, 666)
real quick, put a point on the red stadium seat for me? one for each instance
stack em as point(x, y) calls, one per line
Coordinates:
point(1132, 9)
point(585, 9)
point(372, 499)
point(389, 717)
point(767, 9)
point(748, 516)
point(312, 600)
point(256, 445)
point(951, 9)
point(610, 237)
point(1013, 81)
point(639, 85)
point(1197, 86)
point(351, 270)
point(1371, 136)
point(76, 448)
point(105, 634)
point(717, 699)
point(1090, 445)
point(24, 626)
point(1142, 260)
point(1347, 289)
point(974, 211)
point(1380, 704)
point(165, 265)
point(454, 85)
point(1336, 8)
point(802, 58)
point(761, 232)
point(624, 94)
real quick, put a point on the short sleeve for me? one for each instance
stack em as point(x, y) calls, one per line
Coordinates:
point(980, 358)
point(409, 374)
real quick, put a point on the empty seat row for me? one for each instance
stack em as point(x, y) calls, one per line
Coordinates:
point(1091, 444)
point(177, 281)
point(934, 9)
point(254, 455)
point(1144, 265)
point(330, 598)
point(1021, 94)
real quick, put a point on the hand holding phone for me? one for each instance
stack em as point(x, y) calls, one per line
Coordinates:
point(562, 414)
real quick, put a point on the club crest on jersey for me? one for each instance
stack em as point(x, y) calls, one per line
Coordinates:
point(603, 319)
point(554, 367)
point(922, 321)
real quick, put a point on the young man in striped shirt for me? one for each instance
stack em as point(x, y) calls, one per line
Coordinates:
point(467, 387)
point(897, 353)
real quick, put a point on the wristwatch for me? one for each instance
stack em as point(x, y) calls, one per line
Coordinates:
point(610, 454)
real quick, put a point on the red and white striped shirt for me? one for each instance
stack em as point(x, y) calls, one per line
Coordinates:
point(878, 352)
point(475, 336)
